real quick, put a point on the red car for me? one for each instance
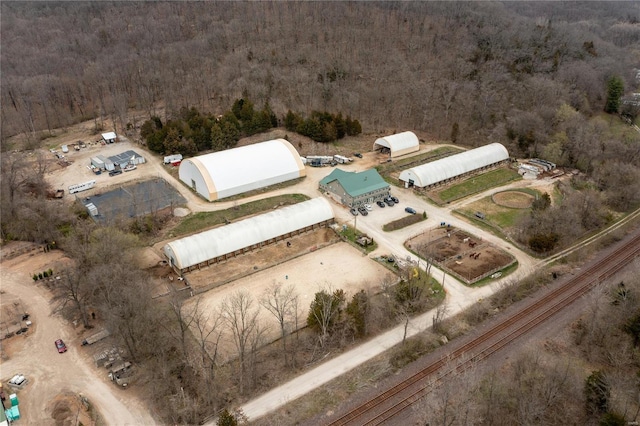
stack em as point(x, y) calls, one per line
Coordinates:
point(60, 346)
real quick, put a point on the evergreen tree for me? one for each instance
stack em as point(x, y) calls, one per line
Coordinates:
point(597, 393)
point(292, 121)
point(357, 312)
point(353, 127)
point(615, 89)
point(226, 419)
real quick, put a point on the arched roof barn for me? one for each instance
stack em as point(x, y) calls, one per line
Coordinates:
point(195, 249)
point(234, 171)
point(398, 144)
point(450, 167)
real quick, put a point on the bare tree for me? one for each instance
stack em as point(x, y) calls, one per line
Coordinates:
point(241, 318)
point(75, 289)
point(439, 316)
point(282, 303)
point(179, 329)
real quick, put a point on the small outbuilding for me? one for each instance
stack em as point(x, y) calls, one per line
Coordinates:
point(109, 137)
point(398, 144)
point(354, 189)
point(107, 163)
point(97, 163)
point(456, 166)
point(125, 158)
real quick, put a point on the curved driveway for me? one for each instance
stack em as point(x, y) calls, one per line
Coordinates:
point(39, 361)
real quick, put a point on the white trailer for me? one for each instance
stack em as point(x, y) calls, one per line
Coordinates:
point(342, 159)
point(172, 158)
point(85, 186)
point(65, 148)
point(319, 160)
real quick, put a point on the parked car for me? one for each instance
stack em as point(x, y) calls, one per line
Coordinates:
point(357, 154)
point(60, 346)
point(354, 211)
point(389, 202)
point(363, 211)
point(380, 203)
point(115, 172)
point(368, 207)
point(395, 200)
point(410, 210)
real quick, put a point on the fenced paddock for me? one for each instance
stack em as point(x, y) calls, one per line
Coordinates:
point(460, 254)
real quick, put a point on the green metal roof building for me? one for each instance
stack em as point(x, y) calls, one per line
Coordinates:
point(355, 189)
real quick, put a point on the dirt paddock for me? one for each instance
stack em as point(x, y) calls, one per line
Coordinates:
point(337, 266)
point(460, 253)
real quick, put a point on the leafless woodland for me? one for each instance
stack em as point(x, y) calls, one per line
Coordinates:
point(393, 65)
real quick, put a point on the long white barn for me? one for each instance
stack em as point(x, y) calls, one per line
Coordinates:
point(234, 171)
point(455, 166)
point(227, 241)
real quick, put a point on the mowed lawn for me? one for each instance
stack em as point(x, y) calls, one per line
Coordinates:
point(203, 220)
point(497, 215)
point(479, 183)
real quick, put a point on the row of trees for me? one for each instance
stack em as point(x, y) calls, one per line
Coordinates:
point(322, 126)
point(192, 131)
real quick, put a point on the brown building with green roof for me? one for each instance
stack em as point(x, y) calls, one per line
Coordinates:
point(354, 189)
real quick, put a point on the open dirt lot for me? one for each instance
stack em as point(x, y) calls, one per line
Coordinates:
point(56, 381)
point(338, 266)
point(469, 257)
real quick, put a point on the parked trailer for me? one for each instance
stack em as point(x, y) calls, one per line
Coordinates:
point(82, 187)
point(95, 338)
point(342, 159)
point(170, 159)
point(322, 159)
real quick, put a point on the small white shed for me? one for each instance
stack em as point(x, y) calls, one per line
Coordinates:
point(109, 137)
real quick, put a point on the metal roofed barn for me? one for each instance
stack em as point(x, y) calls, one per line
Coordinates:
point(221, 243)
point(398, 144)
point(355, 189)
point(234, 171)
point(455, 166)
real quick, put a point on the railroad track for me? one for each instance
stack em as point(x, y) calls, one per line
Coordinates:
point(386, 405)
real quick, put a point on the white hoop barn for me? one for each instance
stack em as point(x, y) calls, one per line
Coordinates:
point(235, 171)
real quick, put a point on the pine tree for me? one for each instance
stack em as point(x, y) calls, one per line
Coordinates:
point(615, 89)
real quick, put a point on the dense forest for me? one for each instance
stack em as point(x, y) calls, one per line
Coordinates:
point(546, 79)
point(487, 70)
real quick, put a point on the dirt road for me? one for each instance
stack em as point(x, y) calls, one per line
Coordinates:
point(49, 373)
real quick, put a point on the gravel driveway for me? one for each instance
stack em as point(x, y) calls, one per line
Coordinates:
point(50, 373)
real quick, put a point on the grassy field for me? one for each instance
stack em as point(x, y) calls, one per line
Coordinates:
point(479, 183)
point(497, 215)
point(204, 220)
point(352, 235)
